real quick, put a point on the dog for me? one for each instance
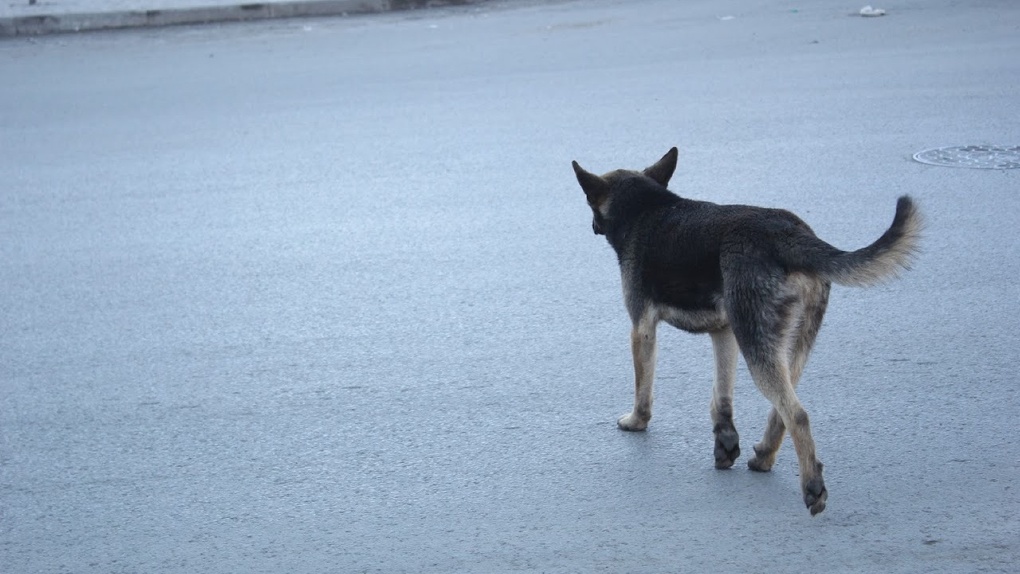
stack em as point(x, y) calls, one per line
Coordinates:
point(757, 280)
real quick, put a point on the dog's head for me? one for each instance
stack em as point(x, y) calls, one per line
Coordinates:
point(601, 189)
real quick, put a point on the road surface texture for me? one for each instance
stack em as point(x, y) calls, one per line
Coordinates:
point(323, 296)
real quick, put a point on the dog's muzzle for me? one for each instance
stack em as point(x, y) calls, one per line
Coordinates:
point(596, 227)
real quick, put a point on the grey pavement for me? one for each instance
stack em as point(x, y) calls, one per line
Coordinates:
point(21, 17)
point(323, 295)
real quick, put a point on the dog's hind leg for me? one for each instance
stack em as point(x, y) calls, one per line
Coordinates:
point(773, 380)
point(727, 441)
point(766, 312)
point(814, 297)
point(766, 450)
point(808, 313)
point(642, 344)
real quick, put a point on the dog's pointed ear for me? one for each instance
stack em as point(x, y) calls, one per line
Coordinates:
point(664, 168)
point(594, 186)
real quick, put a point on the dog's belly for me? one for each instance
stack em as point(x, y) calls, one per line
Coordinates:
point(702, 320)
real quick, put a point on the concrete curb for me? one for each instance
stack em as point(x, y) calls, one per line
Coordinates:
point(52, 24)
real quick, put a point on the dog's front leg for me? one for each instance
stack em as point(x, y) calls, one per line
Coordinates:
point(727, 442)
point(642, 345)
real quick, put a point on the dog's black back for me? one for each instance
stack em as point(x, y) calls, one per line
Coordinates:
point(673, 250)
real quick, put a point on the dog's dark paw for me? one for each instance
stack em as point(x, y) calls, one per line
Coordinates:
point(815, 495)
point(761, 462)
point(727, 445)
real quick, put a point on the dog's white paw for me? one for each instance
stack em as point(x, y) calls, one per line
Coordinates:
point(632, 422)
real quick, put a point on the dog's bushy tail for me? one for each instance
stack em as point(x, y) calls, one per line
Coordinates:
point(881, 260)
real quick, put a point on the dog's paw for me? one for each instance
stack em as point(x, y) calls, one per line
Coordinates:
point(632, 422)
point(761, 462)
point(727, 445)
point(815, 495)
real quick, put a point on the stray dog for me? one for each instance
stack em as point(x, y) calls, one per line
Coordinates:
point(754, 279)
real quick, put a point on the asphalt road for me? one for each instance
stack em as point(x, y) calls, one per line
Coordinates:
point(323, 296)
